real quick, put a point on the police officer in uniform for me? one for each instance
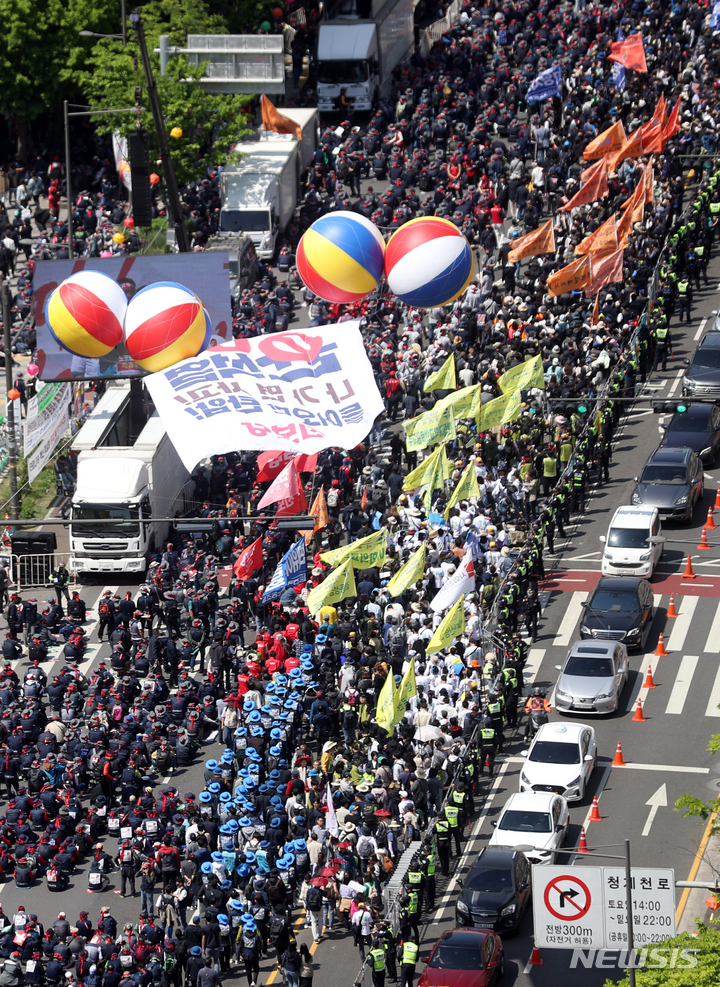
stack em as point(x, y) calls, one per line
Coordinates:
point(387, 940)
point(684, 293)
point(408, 959)
point(663, 343)
point(443, 838)
point(452, 814)
point(488, 741)
point(377, 962)
point(431, 858)
point(416, 882)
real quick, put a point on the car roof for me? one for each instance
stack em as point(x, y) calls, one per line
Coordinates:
point(593, 649)
point(634, 517)
point(561, 733)
point(710, 341)
point(670, 454)
point(464, 937)
point(699, 409)
point(496, 857)
point(618, 584)
point(530, 801)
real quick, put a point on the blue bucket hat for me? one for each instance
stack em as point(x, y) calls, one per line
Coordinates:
point(205, 797)
point(243, 871)
point(225, 797)
point(217, 856)
point(250, 857)
point(206, 868)
point(244, 822)
point(215, 787)
point(211, 764)
point(275, 734)
point(248, 706)
point(255, 716)
point(276, 750)
point(223, 919)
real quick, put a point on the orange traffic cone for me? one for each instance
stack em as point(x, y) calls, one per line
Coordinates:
point(688, 574)
point(660, 651)
point(595, 811)
point(710, 523)
point(704, 546)
point(582, 845)
point(716, 505)
point(639, 716)
point(535, 957)
point(671, 611)
point(649, 682)
point(618, 760)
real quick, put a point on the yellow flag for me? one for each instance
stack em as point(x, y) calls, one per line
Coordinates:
point(422, 473)
point(409, 574)
point(467, 486)
point(445, 465)
point(429, 429)
point(465, 403)
point(451, 626)
point(528, 374)
point(338, 585)
point(320, 512)
point(385, 712)
point(434, 481)
point(364, 553)
point(407, 690)
point(444, 378)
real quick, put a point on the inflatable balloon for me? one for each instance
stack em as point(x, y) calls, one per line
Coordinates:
point(164, 323)
point(428, 262)
point(340, 257)
point(85, 313)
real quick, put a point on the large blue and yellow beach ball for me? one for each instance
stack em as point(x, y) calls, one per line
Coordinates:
point(428, 262)
point(340, 258)
point(85, 313)
point(165, 323)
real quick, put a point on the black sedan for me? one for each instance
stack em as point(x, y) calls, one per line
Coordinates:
point(496, 890)
point(619, 609)
point(697, 428)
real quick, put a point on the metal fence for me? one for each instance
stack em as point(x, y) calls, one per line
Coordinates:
point(31, 571)
point(436, 30)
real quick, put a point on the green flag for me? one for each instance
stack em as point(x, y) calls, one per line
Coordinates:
point(338, 585)
point(451, 626)
point(364, 553)
point(467, 487)
point(528, 374)
point(385, 712)
point(409, 574)
point(444, 378)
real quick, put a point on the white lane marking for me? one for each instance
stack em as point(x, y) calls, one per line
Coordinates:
point(681, 624)
point(532, 665)
point(655, 802)
point(714, 698)
point(675, 383)
point(570, 618)
point(682, 684)
point(700, 329)
point(679, 768)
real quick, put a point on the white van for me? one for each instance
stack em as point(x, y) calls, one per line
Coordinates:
point(634, 542)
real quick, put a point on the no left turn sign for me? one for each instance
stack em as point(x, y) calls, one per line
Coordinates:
point(568, 898)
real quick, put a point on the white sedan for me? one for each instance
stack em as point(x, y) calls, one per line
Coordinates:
point(535, 821)
point(561, 759)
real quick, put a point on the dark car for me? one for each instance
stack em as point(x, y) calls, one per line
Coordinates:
point(496, 891)
point(697, 428)
point(702, 377)
point(465, 958)
point(619, 609)
point(673, 480)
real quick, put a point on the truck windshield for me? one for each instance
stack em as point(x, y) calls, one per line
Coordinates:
point(233, 268)
point(343, 73)
point(125, 521)
point(247, 221)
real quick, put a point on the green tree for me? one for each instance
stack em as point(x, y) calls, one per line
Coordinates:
point(691, 805)
point(42, 52)
point(703, 947)
point(210, 123)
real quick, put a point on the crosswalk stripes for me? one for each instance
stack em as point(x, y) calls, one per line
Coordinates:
point(566, 631)
point(713, 706)
point(681, 624)
point(683, 680)
point(712, 645)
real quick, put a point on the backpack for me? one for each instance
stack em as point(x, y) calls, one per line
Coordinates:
point(103, 609)
point(313, 899)
point(332, 498)
point(364, 846)
point(126, 856)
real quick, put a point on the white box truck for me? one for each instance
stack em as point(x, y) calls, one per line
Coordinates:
point(359, 55)
point(123, 482)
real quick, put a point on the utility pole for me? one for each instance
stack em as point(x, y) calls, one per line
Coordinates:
point(173, 196)
point(9, 406)
point(68, 183)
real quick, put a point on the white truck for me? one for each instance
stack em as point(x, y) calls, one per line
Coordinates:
point(260, 191)
point(359, 54)
point(125, 483)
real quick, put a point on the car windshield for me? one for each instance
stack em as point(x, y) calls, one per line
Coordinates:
point(448, 956)
point(592, 668)
point(245, 221)
point(606, 601)
point(628, 538)
point(492, 880)
point(689, 423)
point(707, 358)
point(526, 821)
point(662, 473)
point(342, 73)
point(115, 516)
point(552, 752)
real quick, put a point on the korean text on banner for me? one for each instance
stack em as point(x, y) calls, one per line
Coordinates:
point(460, 582)
point(572, 277)
point(451, 626)
point(291, 571)
point(44, 411)
point(422, 473)
point(301, 390)
point(365, 553)
point(41, 455)
point(608, 141)
point(429, 429)
point(408, 574)
point(500, 410)
point(525, 375)
point(338, 585)
point(465, 403)
point(444, 378)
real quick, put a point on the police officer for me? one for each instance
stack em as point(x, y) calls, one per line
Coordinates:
point(459, 799)
point(496, 713)
point(411, 906)
point(408, 959)
point(443, 838)
point(431, 858)
point(488, 743)
point(59, 579)
point(377, 962)
point(452, 814)
point(684, 293)
point(416, 882)
point(386, 937)
point(663, 343)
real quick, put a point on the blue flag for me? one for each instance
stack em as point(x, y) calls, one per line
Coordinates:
point(291, 570)
point(715, 19)
point(618, 70)
point(546, 85)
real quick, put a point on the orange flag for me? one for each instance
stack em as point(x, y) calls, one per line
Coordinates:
point(594, 188)
point(650, 184)
point(630, 53)
point(596, 311)
point(652, 132)
point(672, 126)
point(276, 122)
point(363, 500)
point(603, 271)
point(539, 241)
point(600, 241)
point(608, 141)
point(572, 277)
point(632, 149)
point(320, 512)
point(631, 210)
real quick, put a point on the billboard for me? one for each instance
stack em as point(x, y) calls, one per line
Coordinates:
point(207, 275)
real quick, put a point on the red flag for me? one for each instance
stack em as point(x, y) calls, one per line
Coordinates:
point(363, 500)
point(271, 463)
point(595, 186)
point(672, 126)
point(603, 271)
point(250, 559)
point(630, 53)
point(277, 122)
point(286, 491)
point(306, 464)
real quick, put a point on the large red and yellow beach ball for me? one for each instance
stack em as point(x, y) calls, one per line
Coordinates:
point(428, 262)
point(85, 313)
point(164, 323)
point(340, 258)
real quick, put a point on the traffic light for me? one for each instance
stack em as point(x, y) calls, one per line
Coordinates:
point(670, 407)
point(139, 155)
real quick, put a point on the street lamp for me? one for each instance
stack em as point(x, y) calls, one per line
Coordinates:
point(120, 37)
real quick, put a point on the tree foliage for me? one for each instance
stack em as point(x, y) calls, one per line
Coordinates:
point(691, 805)
point(210, 123)
point(703, 947)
